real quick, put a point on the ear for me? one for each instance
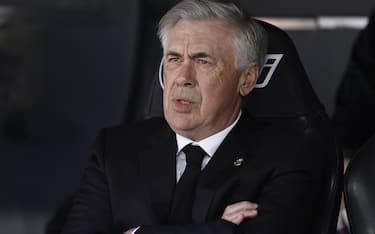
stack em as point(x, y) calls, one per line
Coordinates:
point(248, 79)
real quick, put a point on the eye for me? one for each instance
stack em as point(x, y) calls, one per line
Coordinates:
point(203, 61)
point(174, 60)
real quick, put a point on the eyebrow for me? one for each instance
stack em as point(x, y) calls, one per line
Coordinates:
point(172, 53)
point(191, 56)
point(200, 55)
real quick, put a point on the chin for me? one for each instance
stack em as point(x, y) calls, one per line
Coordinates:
point(180, 124)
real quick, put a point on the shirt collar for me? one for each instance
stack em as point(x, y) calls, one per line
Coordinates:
point(209, 144)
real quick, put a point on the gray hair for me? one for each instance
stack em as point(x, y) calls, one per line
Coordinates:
point(249, 42)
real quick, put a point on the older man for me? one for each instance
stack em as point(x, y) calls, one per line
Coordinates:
point(208, 167)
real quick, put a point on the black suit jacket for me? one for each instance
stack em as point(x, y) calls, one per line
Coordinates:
point(131, 176)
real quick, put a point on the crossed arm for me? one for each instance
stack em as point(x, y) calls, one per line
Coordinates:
point(234, 213)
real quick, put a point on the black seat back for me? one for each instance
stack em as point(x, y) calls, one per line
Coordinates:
point(283, 88)
point(359, 189)
point(288, 97)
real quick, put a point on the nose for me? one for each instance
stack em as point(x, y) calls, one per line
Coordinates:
point(186, 75)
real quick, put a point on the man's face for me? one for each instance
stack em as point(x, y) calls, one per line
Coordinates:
point(203, 88)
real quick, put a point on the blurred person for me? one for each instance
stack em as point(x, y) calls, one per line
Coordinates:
point(355, 100)
point(207, 166)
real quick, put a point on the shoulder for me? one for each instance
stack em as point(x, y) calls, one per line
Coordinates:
point(278, 139)
point(132, 135)
point(143, 128)
point(289, 145)
point(278, 136)
point(268, 132)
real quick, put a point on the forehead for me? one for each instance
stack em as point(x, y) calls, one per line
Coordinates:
point(200, 34)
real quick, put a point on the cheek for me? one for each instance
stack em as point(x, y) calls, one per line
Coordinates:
point(223, 74)
point(167, 82)
point(221, 88)
point(166, 90)
point(222, 80)
point(166, 94)
point(165, 77)
point(216, 77)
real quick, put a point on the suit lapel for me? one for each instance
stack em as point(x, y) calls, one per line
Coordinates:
point(219, 176)
point(157, 162)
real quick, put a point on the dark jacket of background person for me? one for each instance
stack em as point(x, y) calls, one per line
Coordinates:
point(354, 116)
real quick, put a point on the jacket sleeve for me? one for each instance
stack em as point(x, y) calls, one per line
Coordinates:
point(91, 212)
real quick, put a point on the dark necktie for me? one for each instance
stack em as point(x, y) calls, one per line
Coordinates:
point(185, 188)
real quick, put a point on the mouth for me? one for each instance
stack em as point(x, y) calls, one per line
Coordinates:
point(182, 104)
point(184, 101)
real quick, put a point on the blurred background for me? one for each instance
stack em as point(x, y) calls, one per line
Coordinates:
point(71, 67)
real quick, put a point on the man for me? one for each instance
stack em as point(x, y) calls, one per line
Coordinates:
point(252, 177)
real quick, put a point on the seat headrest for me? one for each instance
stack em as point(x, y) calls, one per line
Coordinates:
point(283, 89)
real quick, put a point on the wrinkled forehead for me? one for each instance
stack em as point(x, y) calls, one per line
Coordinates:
point(200, 34)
